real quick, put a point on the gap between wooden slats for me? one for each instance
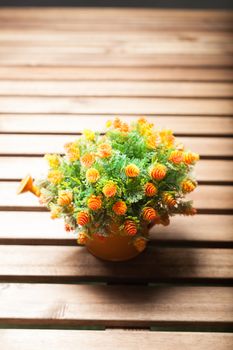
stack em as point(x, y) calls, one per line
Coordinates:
point(200, 230)
point(115, 306)
point(114, 89)
point(22, 339)
point(207, 171)
point(13, 144)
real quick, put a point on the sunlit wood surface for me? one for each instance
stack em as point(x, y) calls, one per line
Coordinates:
point(64, 70)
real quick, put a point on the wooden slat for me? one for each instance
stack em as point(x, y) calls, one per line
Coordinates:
point(55, 123)
point(74, 105)
point(201, 229)
point(61, 264)
point(130, 19)
point(73, 305)
point(15, 168)
point(44, 58)
point(115, 73)
point(39, 144)
point(22, 339)
point(210, 198)
point(114, 88)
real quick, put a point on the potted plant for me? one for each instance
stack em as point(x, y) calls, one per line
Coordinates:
point(110, 189)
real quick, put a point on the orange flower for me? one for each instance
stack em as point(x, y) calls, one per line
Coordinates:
point(82, 238)
point(149, 214)
point(124, 127)
point(117, 123)
point(130, 227)
point(87, 159)
point(190, 211)
point(132, 170)
point(104, 150)
point(72, 151)
point(168, 199)
point(94, 202)
point(190, 158)
point(140, 244)
point(55, 176)
point(188, 186)
point(68, 228)
point(110, 189)
point(176, 157)
point(158, 172)
point(83, 218)
point(64, 198)
point(142, 121)
point(92, 175)
point(119, 208)
point(150, 189)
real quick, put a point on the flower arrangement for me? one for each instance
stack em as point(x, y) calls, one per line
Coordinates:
point(134, 176)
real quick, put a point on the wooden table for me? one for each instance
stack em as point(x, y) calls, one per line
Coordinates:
point(63, 70)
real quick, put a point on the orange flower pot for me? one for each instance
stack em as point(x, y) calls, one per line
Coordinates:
point(115, 247)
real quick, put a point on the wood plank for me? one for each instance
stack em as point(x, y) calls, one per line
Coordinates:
point(208, 198)
point(13, 144)
point(66, 124)
point(115, 88)
point(116, 73)
point(98, 105)
point(55, 123)
point(22, 339)
point(114, 306)
point(49, 264)
point(113, 59)
point(15, 168)
point(205, 230)
point(145, 19)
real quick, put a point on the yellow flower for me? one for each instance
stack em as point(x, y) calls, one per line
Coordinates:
point(55, 176)
point(89, 135)
point(53, 160)
point(188, 186)
point(167, 138)
point(92, 175)
point(72, 151)
point(108, 124)
point(55, 211)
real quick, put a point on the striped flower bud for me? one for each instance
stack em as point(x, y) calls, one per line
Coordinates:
point(64, 198)
point(87, 160)
point(130, 227)
point(94, 202)
point(110, 189)
point(83, 218)
point(140, 244)
point(158, 172)
point(150, 189)
point(168, 199)
point(119, 208)
point(176, 157)
point(132, 170)
point(149, 214)
point(188, 186)
point(92, 175)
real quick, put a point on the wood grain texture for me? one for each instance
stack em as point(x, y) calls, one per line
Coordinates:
point(40, 144)
point(201, 229)
point(211, 198)
point(55, 123)
point(21, 339)
point(15, 168)
point(143, 105)
point(72, 264)
point(113, 306)
point(115, 88)
point(112, 73)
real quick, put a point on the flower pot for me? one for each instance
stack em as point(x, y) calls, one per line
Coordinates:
point(115, 247)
